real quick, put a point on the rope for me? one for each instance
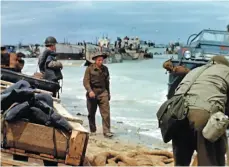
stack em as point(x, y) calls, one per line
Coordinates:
point(54, 142)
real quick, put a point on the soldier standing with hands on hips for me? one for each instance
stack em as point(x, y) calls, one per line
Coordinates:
point(96, 82)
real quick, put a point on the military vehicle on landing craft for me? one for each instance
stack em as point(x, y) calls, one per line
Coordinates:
point(198, 51)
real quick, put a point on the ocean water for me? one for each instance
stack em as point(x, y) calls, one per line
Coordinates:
point(137, 90)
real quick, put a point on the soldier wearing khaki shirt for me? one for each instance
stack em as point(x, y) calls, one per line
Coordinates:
point(96, 82)
point(207, 95)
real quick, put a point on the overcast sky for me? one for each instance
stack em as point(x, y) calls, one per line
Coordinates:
point(31, 22)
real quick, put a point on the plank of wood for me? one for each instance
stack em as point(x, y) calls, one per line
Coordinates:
point(7, 160)
point(35, 138)
point(17, 150)
point(78, 126)
point(76, 153)
point(62, 111)
point(30, 155)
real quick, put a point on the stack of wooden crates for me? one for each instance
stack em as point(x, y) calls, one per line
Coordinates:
point(45, 143)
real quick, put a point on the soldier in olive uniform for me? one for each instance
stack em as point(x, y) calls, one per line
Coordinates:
point(96, 82)
point(48, 64)
point(207, 95)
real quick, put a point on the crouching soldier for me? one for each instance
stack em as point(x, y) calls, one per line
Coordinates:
point(206, 96)
point(96, 82)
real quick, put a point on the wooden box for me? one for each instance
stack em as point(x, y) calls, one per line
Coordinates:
point(41, 140)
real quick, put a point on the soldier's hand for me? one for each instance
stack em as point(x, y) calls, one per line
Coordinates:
point(92, 94)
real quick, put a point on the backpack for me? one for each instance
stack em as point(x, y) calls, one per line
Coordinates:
point(172, 115)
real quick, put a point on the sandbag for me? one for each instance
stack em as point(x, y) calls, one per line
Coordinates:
point(22, 84)
point(44, 97)
point(38, 116)
point(17, 112)
point(133, 158)
point(16, 95)
point(60, 122)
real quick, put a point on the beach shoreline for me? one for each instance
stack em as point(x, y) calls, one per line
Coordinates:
point(125, 140)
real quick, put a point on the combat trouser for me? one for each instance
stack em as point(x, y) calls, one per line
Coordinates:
point(102, 100)
point(191, 138)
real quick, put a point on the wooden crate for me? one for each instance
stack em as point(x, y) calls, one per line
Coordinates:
point(15, 157)
point(38, 139)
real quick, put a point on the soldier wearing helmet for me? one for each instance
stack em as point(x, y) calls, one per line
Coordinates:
point(97, 85)
point(48, 65)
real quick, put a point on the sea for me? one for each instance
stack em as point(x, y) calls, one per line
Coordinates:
point(138, 88)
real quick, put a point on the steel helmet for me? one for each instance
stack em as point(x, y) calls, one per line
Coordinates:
point(220, 60)
point(50, 41)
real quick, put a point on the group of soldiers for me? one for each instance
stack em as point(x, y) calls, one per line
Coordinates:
point(96, 83)
point(211, 88)
point(11, 60)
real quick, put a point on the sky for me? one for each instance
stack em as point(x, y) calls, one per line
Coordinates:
point(161, 22)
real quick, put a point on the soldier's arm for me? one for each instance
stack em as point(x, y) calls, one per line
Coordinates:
point(108, 82)
point(55, 65)
point(86, 80)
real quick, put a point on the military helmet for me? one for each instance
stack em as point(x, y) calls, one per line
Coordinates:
point(50, 41)
point(220, 60)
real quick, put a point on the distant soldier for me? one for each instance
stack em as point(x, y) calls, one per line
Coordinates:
point(12, 61)
point(206, 96)
point(5, 57)
point(96, 82)
point(48, 65)
point(19, 62)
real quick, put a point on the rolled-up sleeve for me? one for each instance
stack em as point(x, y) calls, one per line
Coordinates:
point(86, 80)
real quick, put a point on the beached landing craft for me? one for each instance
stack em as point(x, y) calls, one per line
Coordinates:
point(91, 50)
point(198, 51)
point(69, 54)
point(130, 49)
point(30, 51)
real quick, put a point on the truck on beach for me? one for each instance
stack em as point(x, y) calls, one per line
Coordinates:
point(200, 48)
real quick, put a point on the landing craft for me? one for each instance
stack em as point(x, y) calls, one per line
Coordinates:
point(200, 48)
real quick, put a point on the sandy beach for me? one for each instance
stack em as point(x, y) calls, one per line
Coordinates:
point(128, 147)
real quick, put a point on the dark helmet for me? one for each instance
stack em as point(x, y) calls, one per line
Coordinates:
point(50, 41)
